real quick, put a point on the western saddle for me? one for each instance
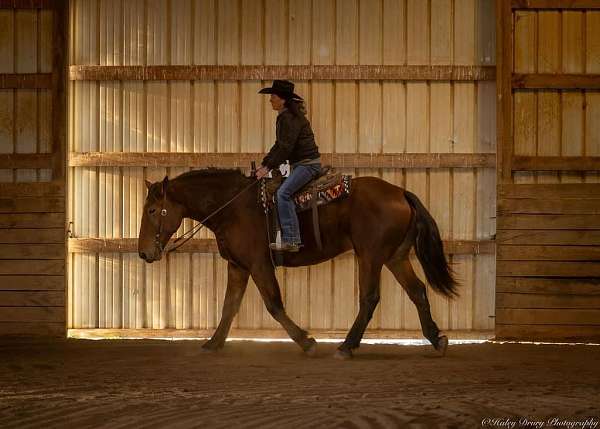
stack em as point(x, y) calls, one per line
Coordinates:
point(328, 186)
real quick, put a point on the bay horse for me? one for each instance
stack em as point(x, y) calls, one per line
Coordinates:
point(381, 222)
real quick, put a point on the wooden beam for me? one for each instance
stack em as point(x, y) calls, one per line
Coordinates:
point(46, 329)
point(530, 300)
point(32, 220)
point(295, 72)
point(25, 80)
point(32, 251)
point(547, 206)
point(555, 4)
point(547, 269)
point(32, 236)
point(547, 221)
point(504, 104)
point(547, 316)
point(550, 332)
point(33, 282)
point(564, 286)
point(243, 160)
point(555, 81)
point(51, 267)
point(550, 191)
point(546, 253)
point(60, 47)
point(546, 237)
point(32, 189)
point(32, 205)
point(26, 160)
point(32, 314)
point(379, 334)
point(129, 245)
point(26, 4)
point(28, 298)
point(556, 163)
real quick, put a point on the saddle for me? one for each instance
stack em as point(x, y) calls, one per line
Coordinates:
point(328, 186)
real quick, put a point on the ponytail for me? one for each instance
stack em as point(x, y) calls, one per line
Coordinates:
point(297, 107)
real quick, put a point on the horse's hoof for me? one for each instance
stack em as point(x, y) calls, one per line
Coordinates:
point(342, 354)
point(209, 347)
point(311, 350)
point(442, 345)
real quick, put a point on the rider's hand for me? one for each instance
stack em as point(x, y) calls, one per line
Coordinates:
point(262, 172)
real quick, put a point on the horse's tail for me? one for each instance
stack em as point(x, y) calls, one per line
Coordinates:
point(430, 249)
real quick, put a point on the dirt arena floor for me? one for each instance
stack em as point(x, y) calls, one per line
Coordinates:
point(165, 384)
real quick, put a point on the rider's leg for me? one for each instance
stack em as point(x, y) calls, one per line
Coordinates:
point(300, 176)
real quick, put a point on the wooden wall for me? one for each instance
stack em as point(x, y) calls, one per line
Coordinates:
point(548, 284)
point(154, 76)
point(32, 160)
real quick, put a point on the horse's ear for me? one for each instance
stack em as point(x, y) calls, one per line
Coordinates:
point(165, 182)
point(148, 184)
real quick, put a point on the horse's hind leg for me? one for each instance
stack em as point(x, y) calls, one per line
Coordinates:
point(268, 286)
point(415, 288)
point(369, 275)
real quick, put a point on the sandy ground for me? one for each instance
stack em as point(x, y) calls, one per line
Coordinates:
point(139, 384)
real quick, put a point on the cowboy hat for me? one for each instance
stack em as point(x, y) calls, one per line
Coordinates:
point(283, 89)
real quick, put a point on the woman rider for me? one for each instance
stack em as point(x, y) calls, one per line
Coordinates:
point(295, 142)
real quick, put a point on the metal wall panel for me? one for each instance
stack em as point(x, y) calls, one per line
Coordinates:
point(186, 290)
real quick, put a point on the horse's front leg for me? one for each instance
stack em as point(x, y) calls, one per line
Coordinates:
point(237, 280)
point(268, 287)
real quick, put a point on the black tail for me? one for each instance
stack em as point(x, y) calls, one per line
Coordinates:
point(430, 249)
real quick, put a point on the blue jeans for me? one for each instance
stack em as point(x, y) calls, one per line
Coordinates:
point(288, 219)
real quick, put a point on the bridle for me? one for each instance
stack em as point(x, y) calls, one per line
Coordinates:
point(186, 236)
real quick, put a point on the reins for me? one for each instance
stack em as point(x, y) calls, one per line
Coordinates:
point(186, 236)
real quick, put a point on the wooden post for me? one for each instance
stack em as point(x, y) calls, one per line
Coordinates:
point(504, 66)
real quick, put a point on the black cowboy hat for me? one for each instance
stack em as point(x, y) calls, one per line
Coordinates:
point(283, 89)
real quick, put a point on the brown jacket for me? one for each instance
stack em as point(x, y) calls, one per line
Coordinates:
point(295, 141)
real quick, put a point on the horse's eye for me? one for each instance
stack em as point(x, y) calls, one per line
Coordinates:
point(151, 211)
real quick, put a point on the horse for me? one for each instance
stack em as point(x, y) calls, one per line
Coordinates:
point(379, 221)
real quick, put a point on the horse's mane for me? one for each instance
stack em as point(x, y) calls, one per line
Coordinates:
point(210, 172)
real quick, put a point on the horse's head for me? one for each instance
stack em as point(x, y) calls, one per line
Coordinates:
point(162, 217)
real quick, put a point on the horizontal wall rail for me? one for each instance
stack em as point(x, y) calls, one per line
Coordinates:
point(129, 245)
point(555, 4)
point(26, 4)
point(25, 80)
point(296, 72)
point(555, 81)
point(26, 160)
point(235, 160)
point(556, 163)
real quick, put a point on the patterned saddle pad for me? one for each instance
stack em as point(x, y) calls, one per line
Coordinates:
point(328, 187)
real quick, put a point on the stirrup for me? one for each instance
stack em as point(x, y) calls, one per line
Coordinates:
point(285, 247)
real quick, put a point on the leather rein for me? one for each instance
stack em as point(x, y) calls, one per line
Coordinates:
point(186, 236)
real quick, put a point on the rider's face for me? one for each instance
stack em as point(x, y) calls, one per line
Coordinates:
point(276, 102)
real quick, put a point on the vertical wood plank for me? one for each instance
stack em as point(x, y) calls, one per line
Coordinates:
point(253, 45)
point(228, 34)
point(276, 31)
point(573, 58)
point(592, 61)
point(485, 178)
point(205, 32)
point(157, 139)
point(464, 209)
point(394, 32)
point(417, 123)
point(323, 37)
point(464, 141)
point(6, 95)
point(300, 38)
point(370, 95)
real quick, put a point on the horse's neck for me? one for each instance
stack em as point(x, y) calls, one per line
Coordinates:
point(201, 196)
